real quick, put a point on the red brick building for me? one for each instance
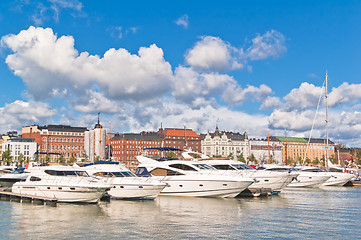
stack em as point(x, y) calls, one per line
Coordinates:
point(125, 147)
point(58, 139)
point(181, 138)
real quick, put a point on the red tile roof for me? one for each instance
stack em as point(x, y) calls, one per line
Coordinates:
point(180, 133)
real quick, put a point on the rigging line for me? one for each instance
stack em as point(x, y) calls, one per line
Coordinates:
point(313, 124)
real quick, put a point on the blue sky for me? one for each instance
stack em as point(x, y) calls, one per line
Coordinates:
point(248, 65)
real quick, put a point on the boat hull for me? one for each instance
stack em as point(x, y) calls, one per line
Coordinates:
point(338, 179)
point(135, 191)
point(62, 193)
point(204, 188)
point(309, 180)
point(275, 181)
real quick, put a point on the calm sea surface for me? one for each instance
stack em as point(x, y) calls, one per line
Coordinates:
point(328, 213)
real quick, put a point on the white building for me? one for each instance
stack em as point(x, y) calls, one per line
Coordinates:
point(225, 144)
point(25, 146)
point(264, 150)
point(94, 142)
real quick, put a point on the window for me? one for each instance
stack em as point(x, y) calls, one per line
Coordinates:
point(182, 167)
point(34, 179)
point(164, 172)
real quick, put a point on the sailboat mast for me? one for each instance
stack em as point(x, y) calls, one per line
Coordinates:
point(327, 145)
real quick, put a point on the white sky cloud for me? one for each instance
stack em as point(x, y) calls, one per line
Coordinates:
point(191, 86)
point(183, 21)
point(214, 54)
point(270, 44)
point(306, 96)
point(19, 113)
point(46, 62)
point(211, 53)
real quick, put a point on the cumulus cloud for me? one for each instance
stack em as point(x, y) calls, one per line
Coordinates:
point(270, 44)
point(183, 21)
point(236, 94)
point(19, 113)
point(44, 10)
point(47, 63)
point(94, 102)
point(271, 102)
point(193, 87)
point(173, 114)
point(294, 120)
point(306, 96)
point(345, 93)
point(212, 53)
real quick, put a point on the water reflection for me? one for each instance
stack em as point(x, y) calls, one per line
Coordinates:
point(300, 213)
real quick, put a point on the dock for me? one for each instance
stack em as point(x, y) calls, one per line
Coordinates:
point(17, 197)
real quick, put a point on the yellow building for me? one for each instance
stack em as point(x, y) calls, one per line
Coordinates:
point(298, 149)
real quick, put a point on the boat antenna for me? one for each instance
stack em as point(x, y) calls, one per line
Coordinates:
point(327, 145)
point(269, 154)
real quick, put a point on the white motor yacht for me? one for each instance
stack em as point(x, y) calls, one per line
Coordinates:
point(65, 183)
point(307, 176)
point(191, 178)
point(272, 181)
point(7, 169)
point(124, 183)
point(8, 179)
point(338, 177)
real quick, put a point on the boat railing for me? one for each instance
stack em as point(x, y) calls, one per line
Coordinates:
point(76, 180)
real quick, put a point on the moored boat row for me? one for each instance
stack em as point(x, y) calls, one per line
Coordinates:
point(195, 177)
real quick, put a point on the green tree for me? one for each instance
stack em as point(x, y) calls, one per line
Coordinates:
point(47, 158)
point(333, 159)
point(241, 158)
point(308, 160)
point(316, 161)
point(7, 156)
point(21, 159)
point(84, 156)
point(252, 158)
point(171, 155)
point(71, 159)
point(230, 156)
point(290, 161)
point(61, 159)
point(273, 160)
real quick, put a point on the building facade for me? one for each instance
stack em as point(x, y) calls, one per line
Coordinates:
point(300, 149)
point(266, 150)
point(225, 144)
point(126, 146)
point(57, 140)
point(25, 147)
point(94, 143)
point(180, 138)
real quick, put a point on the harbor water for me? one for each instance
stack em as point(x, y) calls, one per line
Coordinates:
point(319, 213)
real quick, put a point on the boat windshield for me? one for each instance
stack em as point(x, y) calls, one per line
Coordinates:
point(312, 170)
point(123, 174)
point(203, 166)
point(223, 167)
point(280, 169)
point(67, 173)
point(115, 174)
point(241, 166)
